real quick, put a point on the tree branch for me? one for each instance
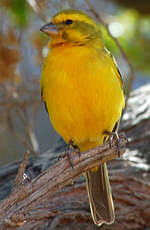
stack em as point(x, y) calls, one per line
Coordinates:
point(20, 206)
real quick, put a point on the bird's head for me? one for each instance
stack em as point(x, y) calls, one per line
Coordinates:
point(72, 27)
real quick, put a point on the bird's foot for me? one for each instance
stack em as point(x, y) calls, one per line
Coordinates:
point(70, 146)
point(114, 136)
point(63, 155)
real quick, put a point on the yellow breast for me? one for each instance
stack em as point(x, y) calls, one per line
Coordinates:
point(82, 93)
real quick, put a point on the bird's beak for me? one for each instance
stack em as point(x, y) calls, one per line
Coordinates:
point(50, 29)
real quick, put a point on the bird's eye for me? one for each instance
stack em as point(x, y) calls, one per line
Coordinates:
point(69, 21)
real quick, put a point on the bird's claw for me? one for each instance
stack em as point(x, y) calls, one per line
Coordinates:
point(114, 136)
point(70, 146)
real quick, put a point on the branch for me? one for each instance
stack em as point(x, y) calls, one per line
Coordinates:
point(20, 177)
point(20, 206)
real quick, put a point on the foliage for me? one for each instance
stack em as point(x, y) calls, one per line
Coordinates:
point(134, 36)
point(19, 11)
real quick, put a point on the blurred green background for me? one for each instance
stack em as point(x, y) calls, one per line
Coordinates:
point(24, 123)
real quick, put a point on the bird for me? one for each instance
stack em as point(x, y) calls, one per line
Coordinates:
point(82, 89)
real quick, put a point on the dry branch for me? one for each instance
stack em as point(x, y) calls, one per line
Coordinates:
point(27, 197)
point(20, 178)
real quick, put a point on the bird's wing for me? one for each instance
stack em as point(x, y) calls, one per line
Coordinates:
point(114, 63)
point(42, 93)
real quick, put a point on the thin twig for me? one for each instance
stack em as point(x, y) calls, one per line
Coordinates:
point(36, 8)
point(32, 138)
point(23, 141)
point(20, 174)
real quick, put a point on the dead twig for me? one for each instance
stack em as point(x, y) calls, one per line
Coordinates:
point(20, 178)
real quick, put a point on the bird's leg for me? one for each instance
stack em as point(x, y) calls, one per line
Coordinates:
point(113, 135)
point(69, 145)
point(75, 147)
point(72, 145)
point(67, 153)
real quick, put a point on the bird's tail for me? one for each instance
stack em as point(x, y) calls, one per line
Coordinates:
point(100, 197)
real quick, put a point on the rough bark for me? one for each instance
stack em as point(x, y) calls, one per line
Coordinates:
point(68, 208)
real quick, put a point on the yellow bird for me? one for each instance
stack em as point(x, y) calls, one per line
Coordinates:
point(82, 90)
